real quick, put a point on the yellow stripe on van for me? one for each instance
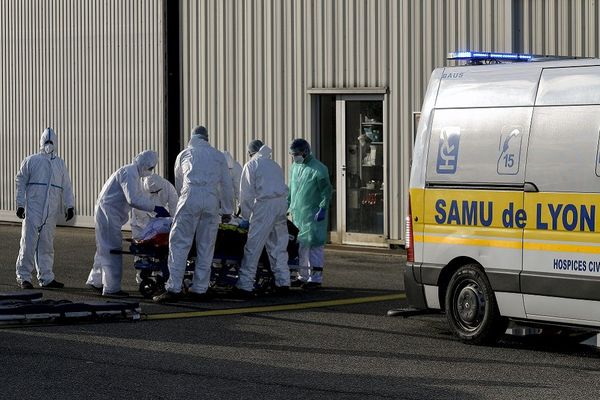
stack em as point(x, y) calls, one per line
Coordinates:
point(473, 231)
point(509, 244)
point(452, 240)
point(561, 247)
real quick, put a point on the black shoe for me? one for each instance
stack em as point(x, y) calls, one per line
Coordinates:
point(25, 285)
point(166, 297)
point(311, 285)
point(53, 285)
point(200, 297)
point(242, 294)
point(95, 288)
point(116, 295)
point(281, 290)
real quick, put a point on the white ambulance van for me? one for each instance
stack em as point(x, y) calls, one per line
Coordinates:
point(504, 219)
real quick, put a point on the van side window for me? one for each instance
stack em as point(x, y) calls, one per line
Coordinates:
point(563, 153)
point(569, 86)
point(598, 157)
point(463, 141)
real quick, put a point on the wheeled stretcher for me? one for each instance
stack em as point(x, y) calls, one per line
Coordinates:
point(151, 260)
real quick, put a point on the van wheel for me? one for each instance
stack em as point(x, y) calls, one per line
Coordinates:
point(471, 307)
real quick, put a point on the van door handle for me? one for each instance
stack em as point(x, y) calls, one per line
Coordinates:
point(530, 187)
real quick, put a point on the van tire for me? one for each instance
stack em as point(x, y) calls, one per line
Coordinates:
point(471, 307)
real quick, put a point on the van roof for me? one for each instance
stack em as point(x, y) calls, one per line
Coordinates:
point(496, 85)
point(536, 64)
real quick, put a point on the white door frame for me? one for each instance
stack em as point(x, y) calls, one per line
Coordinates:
point(358, 238)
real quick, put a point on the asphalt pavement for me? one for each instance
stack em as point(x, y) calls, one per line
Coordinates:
point(331, 343)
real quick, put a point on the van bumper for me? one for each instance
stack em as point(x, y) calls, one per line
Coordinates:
point(414, 290)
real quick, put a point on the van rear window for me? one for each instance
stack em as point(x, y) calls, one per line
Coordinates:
point(569, 86)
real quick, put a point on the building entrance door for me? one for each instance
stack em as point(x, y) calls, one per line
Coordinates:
point(361, 180)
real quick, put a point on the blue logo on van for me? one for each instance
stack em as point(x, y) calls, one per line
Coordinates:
point(448, 150)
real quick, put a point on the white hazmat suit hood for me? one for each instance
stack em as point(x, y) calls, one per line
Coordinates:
point(145, 162)
point(48, 135)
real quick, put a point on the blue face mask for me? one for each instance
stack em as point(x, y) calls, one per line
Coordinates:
point(298, 159)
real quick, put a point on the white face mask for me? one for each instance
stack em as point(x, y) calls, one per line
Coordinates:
point(48, 148)
point(298, 159)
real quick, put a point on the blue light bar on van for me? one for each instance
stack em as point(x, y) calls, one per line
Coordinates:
point(480, 56)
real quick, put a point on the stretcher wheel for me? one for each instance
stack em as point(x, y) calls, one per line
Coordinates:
point(264, 280)
point(148, 288)
point(145, 274)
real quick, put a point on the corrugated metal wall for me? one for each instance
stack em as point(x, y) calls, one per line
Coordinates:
point(92, 70)
point(565, 27)
point(247, 65)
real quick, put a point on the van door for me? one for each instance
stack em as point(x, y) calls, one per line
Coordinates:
point(474, 189)
point(561, 257)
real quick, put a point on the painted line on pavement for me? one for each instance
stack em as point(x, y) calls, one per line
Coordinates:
point(281, 307)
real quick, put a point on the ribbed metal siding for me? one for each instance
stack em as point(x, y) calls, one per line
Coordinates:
point(565, 28)
point(92, 70)
point(247, 65)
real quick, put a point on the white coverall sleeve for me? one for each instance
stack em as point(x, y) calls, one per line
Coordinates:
point(247, 192)
point(21, 180)
point(237, 178)
point(226, 187)
point(136, 223)
point(68, 197)
point(178, 175)
point(173, 199)
point(133, 193)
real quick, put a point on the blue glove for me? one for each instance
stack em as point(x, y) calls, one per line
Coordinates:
point(244, 224)
point(320, 216)
point(161, 212)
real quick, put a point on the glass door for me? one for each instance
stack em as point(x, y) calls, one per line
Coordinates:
point(362, 176)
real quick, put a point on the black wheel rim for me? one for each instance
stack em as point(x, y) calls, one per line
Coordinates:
point(469, 305)
point(147, 288)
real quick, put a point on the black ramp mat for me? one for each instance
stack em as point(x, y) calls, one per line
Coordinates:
point(24, 295)
point(28, 307)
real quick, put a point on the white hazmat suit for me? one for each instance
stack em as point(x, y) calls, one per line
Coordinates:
point(121, 192)
point(201, 175)
point(263, 201)
point(44, 191)
point(162, 193)
point(235, 171)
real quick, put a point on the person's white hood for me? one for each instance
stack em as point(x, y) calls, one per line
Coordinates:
point(48, 135)
point(265, 151)
point(144, 161)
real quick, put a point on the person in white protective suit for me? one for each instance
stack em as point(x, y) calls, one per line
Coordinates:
point(162, 193)
point(201, 176)
point(121, 192)
point(43, 193)
point(235, 171)
point(263, 201)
